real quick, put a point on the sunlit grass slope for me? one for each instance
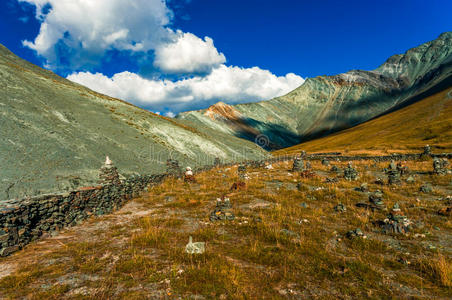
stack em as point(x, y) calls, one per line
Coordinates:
point(428, 121)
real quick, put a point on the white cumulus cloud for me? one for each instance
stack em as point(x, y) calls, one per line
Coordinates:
point(89, 28)
point(78, 34)
point(225, 83)
point(188, 54)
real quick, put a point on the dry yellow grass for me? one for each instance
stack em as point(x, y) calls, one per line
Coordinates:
point(428, 121)
point(138, 252)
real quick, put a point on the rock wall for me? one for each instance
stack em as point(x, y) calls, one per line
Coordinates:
point(25, 220)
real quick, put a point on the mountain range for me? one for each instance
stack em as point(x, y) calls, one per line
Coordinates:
point(327, 104)
point(55, 134)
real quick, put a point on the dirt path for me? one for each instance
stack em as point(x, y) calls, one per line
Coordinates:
point(34, 252)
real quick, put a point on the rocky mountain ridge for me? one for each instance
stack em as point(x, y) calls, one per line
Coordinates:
point(326, 104)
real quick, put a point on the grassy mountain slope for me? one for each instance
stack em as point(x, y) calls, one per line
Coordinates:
point(55, 134)
point(428, 121)
point(328, 104)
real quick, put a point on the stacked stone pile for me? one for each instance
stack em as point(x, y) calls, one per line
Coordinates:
point(396, 222)
point(350, 173)
point(108, 173)
point(440, 166)
point(189, 176)
point(222, 211)
point(298, 164)
point(173, 168)
point(376, 200)
point(336, 169)
point(393, 173)
point(241, 171)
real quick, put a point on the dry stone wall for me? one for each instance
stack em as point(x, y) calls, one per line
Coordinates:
point(23, 221)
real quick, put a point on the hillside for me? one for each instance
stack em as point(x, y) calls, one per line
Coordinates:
point(327, 104)
point(55, 134)
point(428, 121)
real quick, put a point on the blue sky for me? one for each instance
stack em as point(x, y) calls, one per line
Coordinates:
point(155, 54)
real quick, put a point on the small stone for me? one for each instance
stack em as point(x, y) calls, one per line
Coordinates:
point(445, 211)
point(304, 205)
point(357, 233)
point(331, 180)
point(340, 208)
point(431, 247)
point(195, 248)
point(9, 250)
point(325, 162)
point(410, 179)
point(289, 233)
point(363, 188)
point(426, 188)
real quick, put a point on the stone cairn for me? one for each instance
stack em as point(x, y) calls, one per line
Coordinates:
point(402, 168)
point(396, 222)
point(172, 167)
point(350, 173)
point(325, 162)
point(298, 164)
point(340, 208)
point(440, 166)
point(393, 173)
point(376, 200)
point(336, 169)
point(188, 176)
point(108, 173)
point(241, 171)
point(427, 150)
point(222, 211)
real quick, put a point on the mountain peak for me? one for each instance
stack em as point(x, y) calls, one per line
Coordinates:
point(222, 110)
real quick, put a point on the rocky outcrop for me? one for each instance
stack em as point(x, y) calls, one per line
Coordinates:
point(327, 104)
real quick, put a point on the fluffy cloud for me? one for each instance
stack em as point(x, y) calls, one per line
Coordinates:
point(83, 30)
point(224, 83)
point(79, 34)
point(188, 54)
